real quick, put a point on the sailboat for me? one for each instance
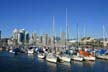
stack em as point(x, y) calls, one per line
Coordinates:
point(30, 50)
point(102, 57)
point(88, 57)
point(15, 50)
point(51, 57)
point(11, 51)
point(66, 57)
point(102, 53)
point(77, 57)
point(42, 53)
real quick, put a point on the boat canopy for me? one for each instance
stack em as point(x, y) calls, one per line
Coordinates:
point(40, 50)
point(102, 51)
point(16, 50)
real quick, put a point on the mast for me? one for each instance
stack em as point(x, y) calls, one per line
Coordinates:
point(84, 35)
point(61, 44)
point(77, 35)
point(84, 31)
point(53, 33)
point(67, 29)
point(98, 41)
point(103, 36)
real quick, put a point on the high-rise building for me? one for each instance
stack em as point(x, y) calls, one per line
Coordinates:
point(52, 41)
point(34, 37)
point(15, 34)
point(49, 40)
point(62, 38)
point(31, 40)
point(40, 39)
point(45, 39)
point(26, 37)
point(21, 36)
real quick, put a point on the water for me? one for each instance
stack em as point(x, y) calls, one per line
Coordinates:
point(30, 63)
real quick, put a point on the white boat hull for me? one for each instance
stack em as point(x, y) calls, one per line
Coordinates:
point(77, 58)
point(54, 60)
point(102, 56)
point(51, 58)
point(11, 51)
point(90, 58)
point(42, 56)
point(65, 58)
point(30, 51)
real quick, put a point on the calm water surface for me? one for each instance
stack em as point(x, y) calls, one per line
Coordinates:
point(30, 63)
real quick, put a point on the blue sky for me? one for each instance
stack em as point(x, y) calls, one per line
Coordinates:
point(36, 16)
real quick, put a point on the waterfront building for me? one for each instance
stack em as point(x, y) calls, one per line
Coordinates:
point(4, 41)
point(10, 42)
point(105, 43)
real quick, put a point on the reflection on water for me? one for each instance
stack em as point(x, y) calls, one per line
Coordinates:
point(61, 67)
point(51, 66)
point(30, 55)
point(40, 60)
point(89, 63)
point(31, 63)
point(77, 63)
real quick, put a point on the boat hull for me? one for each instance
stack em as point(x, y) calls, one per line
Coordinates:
point(54, 60)
point(77, 58)
point(66, 59)
point(51, 58)
point(30, 51)
point(102, 57)
point(11, 51)
point(42, 56)
point(90, 58)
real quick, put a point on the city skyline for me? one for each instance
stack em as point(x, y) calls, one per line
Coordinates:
point(36, 16)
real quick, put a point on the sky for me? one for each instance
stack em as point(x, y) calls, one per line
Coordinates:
point(36, 16)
